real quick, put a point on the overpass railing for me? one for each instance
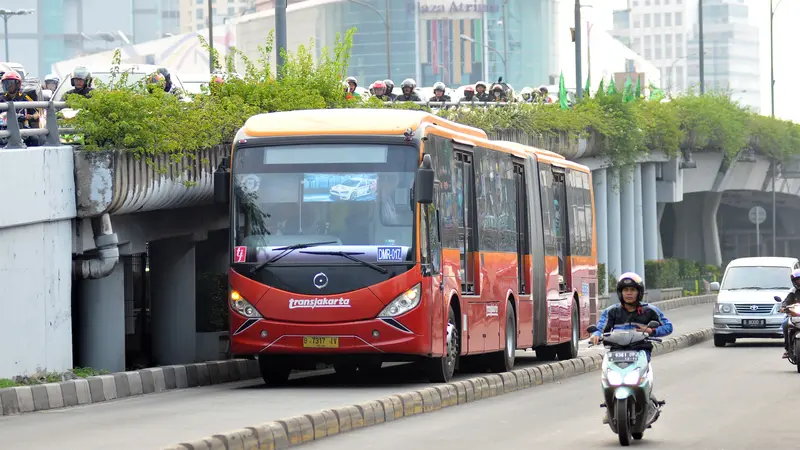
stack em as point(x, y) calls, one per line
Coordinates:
point(465, 103)
point(16, 135)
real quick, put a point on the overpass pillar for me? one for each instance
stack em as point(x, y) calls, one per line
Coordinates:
point(650, 215)
point(711, 247)
point(599, 182)
point(638, 219)
point(101, 321)
point(628, 222)
point(614, 234)
point(172, 275)
point(661, 207)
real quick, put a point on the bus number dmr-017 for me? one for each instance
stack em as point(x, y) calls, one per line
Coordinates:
point(390, 253)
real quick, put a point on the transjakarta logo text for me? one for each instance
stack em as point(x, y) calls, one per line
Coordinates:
point(324, 302)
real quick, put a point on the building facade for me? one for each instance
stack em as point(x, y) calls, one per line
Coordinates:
point(731, 49)
point(659, 30)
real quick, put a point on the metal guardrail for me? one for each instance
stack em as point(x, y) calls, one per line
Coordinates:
point(15, 134)
point(473, 103)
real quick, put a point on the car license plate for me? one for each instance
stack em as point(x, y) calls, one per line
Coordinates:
point(754, 323)
point(320, 342)
point(623, 356)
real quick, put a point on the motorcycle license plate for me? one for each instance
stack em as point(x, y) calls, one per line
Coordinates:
point(754, 323)
point(623, 356)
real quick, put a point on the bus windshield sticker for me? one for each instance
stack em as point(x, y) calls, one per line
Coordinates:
point(338, 187)
point(240, 254)
point(390, 253)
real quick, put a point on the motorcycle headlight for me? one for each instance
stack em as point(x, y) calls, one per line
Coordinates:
point(632, 378)
point(243, 307)
point(614, 378)
point(403, 303)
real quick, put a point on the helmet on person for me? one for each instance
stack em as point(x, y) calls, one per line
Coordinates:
point(479, 84)
point(630, 279)
point(351, 80)
point(527, 92)
point(379, 87)
point(408, 83)
point(796, 278)
point(81, 73)
point(10, 79)
point(439, 86)
point(389, 85)
point(51, 81)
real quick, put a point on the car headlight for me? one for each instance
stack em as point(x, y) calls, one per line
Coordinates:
point(724, 308)
point(403, 303)
point(243, 307)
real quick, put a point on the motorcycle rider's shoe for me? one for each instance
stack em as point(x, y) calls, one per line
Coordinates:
point(785, 355)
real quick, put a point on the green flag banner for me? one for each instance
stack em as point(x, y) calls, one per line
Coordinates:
point(627, 91)
point(562, 93)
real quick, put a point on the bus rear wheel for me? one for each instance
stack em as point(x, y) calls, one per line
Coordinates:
point(569, 350)
point(274, 371)
point(441, 370)
point(503, 361)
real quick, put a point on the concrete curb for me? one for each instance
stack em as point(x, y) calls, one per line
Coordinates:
point(83, 391)
point(293, 431)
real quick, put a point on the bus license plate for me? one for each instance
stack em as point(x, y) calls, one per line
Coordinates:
point(754, 323)
point(320, 342)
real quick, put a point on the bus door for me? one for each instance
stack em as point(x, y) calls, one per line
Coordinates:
point(524, 281)
point(431, 252)
point(561, 229)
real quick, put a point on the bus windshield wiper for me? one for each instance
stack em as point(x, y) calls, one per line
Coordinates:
point(349, 255)
point(285, 251)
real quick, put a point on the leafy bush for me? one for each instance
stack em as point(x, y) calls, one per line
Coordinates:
point(131, 118)
point(662, 273)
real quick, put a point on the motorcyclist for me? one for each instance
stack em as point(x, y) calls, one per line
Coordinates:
point(631, 311)
point(51, 82)
point(480, 92)
point(469, 94)
point(527, 94)
point(408, 85)
point(389, 88)
point(379, 91)
point(439, 93)
point(791, 298)
point(81, 81)
point(169, 87)
point(498, 94)
point(352, 84)
point(12, 92)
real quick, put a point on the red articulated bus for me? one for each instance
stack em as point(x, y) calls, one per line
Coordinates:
point(363, 236)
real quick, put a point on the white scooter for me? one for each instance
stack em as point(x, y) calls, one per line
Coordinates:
point(627, 379)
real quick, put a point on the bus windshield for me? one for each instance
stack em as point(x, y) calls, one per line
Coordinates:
point(343, 194)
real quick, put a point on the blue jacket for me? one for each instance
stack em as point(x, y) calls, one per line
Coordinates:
point(616, 315)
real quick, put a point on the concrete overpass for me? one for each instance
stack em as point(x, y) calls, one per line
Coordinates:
point(73, 254)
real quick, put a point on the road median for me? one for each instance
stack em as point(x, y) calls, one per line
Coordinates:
point(297, 430)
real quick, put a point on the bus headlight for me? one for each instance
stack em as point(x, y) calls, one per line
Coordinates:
point(243, 307)
point(403, 303)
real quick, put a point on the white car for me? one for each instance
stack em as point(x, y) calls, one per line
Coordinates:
point(354, 188)
point(746, 307)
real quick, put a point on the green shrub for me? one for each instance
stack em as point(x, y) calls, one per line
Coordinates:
point(662, 274)
point(149, 124)
point(601, 279)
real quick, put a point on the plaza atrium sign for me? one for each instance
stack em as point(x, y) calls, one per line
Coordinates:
point(442, 9)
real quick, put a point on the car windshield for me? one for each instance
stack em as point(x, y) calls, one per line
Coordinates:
point(348, 194)
point(757, 277)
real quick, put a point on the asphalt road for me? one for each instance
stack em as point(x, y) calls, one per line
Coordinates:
point(159, 420)
point(732, 398)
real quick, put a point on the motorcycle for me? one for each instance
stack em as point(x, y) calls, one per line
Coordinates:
point(793, 317)
point(627, 380)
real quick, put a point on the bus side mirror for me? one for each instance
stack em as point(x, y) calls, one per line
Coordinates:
point(713, 286)
point(222, 183)
point(423, 183)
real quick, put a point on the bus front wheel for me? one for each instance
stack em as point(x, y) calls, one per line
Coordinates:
point(273, 370)
point(440, 370)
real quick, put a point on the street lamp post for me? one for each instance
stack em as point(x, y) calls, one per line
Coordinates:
point(772, 10)
point(7, 13)
point(499, 55)
point(385, 18)
point(701, 51)
point(578, 75)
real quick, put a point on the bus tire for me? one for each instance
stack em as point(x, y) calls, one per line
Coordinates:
point(503, 361)
point(441, 370)
point(273, 370)
point(569, 350)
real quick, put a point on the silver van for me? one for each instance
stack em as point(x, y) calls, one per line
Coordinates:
point(745, 306)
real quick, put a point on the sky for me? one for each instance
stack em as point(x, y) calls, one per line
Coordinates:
point(786, 36)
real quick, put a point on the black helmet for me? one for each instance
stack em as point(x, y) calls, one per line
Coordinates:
point(630, 279)
point(795, 276)
point(408, 82)
point(389, 85)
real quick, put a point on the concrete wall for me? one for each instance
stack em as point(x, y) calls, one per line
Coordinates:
point(37, 205)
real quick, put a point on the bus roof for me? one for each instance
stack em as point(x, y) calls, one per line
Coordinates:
point(363, 121)
point(529, 149)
